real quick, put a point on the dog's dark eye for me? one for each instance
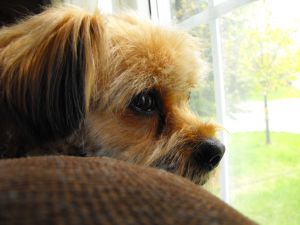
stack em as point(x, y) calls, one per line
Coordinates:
point(144, 102)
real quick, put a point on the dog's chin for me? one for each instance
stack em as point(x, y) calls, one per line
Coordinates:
point(196, 175)
point(201, 179)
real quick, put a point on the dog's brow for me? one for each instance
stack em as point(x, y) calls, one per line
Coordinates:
point(161, 114)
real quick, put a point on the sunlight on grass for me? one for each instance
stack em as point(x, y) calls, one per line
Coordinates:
point(266, 178)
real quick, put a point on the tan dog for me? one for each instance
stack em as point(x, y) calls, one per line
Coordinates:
point(75, 83)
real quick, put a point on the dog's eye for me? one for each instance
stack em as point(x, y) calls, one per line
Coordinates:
point(144, 102)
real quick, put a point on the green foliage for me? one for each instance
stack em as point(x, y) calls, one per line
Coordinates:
point(272, 63)
point(182, 9)
point(282, 92)
point(297, 59)
point(202, 99)
point(259, 55)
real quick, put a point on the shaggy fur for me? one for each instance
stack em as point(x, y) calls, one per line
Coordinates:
point(71, 83)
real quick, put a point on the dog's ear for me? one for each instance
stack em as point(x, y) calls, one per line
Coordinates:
point(48, 65)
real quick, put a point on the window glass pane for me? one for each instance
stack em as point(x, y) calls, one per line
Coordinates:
point(124, 4)
point(90, 5)
point(183, 9)
point(261, 65)
point(217, 2)
point(202, 99)
point(141, 7)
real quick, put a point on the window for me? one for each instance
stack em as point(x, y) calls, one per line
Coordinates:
point(255, 58)
point(260, 42)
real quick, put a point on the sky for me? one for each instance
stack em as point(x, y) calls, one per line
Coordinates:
point(286, 12)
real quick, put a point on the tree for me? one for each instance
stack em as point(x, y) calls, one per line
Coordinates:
point(268, 58)
point(258, 56)
point(182, 9)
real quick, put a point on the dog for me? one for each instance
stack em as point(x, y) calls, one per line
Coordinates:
point(88, 84)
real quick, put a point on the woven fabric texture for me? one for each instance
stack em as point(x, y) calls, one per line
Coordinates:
point(66, 190)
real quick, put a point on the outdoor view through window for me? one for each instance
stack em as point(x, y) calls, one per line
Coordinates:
point(261, 65)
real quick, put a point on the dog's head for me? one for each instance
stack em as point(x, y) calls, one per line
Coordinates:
point(143, 114)
point(126, 82)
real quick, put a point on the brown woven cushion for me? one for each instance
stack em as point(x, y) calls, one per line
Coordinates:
point(70, 190)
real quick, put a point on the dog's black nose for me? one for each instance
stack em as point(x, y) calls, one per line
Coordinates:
point(209, 153)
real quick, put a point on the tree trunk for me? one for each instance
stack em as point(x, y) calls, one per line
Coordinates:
point(267, 131)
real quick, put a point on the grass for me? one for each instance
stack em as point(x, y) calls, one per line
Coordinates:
point(265, 179)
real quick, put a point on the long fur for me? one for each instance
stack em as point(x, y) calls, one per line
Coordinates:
point(48, 70)
point(68, 78)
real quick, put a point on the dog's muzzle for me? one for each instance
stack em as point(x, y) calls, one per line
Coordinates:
point(208, 153)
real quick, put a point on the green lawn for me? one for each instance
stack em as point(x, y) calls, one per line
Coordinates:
point(265, 180)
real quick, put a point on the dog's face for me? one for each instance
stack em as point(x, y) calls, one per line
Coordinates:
point(125, 82)
point(143, 114)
